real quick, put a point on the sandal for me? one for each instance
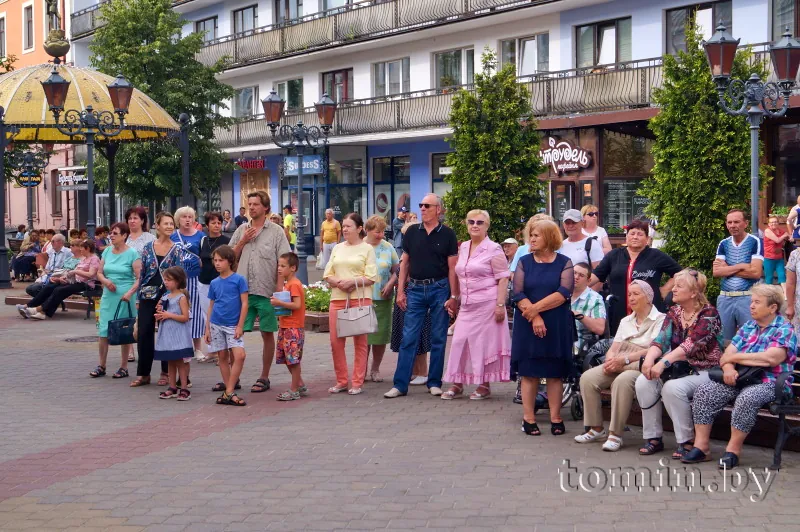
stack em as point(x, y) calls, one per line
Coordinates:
point(728, 461)
point(184, 395)
point(99, 371)
point(140, 381)
point(131, 358)
point(303, 390)
point(222, 399)
point(531, 429)
point(169, 393)
point(682, 450)
point(652, 446)
point(163, 380)
point(232, 400)
point(337, 389)
point(188, 383)
point(613, 444)
point(477, 396)
point(375, 376)
point(120, 374)
point(557, 428)
point(289, 395)
point(455, 392)
point(220, 387)
point(695, 456)
point(261, 386)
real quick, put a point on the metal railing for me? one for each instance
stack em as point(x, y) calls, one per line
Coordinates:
point(86, 21)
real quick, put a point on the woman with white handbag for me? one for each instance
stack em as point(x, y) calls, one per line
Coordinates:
point(350, 272)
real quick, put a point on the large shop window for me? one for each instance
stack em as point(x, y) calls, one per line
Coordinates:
point(454, 67)
point(391, 77)
point(391, 185)
point(529, 55)
point(347, 182)
point(291, 91)
point(604, 43)
point(784, 15)
point(627, 161)
point(252, 181)
point(707, 16)
point(440, 171)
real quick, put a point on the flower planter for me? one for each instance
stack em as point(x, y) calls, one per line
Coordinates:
point(317, 322)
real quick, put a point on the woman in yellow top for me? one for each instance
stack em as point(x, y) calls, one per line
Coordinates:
point(352, 265)
point(331, 235)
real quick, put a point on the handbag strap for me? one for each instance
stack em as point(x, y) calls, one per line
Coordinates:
point(119, 306)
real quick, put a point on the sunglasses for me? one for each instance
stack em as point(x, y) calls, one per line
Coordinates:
point(428, 205)
point(694, 273)
point(476, 222)
point(592, 213)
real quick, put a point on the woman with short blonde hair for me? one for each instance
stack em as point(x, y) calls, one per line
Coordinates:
point(388, 266)
point(592, 228)
point(189, 240)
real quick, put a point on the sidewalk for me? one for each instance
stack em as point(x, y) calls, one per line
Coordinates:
point(93, 454)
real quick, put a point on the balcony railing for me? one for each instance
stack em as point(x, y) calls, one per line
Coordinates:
point(86, 21)
point(361, 21)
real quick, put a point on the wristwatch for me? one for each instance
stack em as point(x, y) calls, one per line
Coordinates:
point(501, 304)
point(667, 364)
point(453, 297)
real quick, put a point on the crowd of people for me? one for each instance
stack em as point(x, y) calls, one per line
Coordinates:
point(689, 357)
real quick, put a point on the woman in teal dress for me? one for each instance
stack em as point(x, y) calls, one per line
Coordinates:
point(119, 274)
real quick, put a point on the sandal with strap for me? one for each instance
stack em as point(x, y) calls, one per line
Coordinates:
point(169, 393)
point(613, 443)
point(220, 387)
point(652, 446)
point(184, 395)
point(222, 399)
point(337, 389)
point(232, 400)
point(260, 386)
point(163, 380)
point(120, 374)
point(99, 371)
point(682, 450)
point(531, 429)
point(478, 396)
point(140, 381)
point(557, 428)
point(289, 395)
point(455, 392)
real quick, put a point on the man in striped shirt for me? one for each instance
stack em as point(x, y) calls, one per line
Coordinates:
point(588, 304)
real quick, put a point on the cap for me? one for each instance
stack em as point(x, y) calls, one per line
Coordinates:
point(510, 241)
point(403, 209)
point(573, 215)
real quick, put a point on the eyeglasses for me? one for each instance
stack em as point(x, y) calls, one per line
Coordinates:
point(476, 222)
point(592, 213)
point(428, 205)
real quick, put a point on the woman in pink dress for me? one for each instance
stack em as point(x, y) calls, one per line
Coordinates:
point(481, 348)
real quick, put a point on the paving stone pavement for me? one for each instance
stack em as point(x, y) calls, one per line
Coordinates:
point(93, 454)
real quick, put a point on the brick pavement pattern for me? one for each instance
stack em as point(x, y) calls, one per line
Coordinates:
point(93, 454)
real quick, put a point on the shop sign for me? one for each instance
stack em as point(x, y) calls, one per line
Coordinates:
point(251, 164)
point(73, 182)
point(564, 157)
point(29, 179)
point(312, 165)
point(381, 203)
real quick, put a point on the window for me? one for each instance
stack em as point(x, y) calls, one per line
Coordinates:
point(347, 180)
point(391, 77)
point(2, 37)
point(529, 55)
point(288, 10)
point(245, 102)
point(707, 16)
point(27, 28)
point(440, 171)
point(207, 28)
point(604, 43)
point(338, 84)
point(55, 190)
point(392, 185)
point(292, 92)
point(453, 68)
point(784, 15)
point(333, 4)
point(245, 19)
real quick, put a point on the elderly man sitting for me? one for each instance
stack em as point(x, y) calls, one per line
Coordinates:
point(56, 255)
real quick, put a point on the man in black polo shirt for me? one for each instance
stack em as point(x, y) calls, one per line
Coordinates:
point(428, 266)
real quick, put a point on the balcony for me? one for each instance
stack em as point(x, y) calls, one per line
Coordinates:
point(371, 19)
point(86, 21)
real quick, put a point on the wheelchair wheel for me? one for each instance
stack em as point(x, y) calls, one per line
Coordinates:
point(576, 409)
point(568, 391)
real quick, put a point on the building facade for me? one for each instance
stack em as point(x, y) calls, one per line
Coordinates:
point(394, 65)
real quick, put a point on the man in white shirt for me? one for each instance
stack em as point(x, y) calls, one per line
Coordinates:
point(56, 256)
point(578, 246)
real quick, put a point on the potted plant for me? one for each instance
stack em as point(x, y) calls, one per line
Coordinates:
point(318, 300)
point(779, 211)
point(446, 84)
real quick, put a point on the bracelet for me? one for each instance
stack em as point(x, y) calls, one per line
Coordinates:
point(501, 305)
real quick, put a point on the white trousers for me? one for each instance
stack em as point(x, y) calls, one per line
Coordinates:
point(676, 396)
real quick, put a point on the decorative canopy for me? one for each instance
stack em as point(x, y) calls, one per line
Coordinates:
point(23, 98)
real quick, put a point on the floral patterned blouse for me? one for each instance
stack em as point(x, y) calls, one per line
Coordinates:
point(702, 340)
point(791, 265)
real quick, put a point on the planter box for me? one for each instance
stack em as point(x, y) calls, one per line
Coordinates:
point(317, 322)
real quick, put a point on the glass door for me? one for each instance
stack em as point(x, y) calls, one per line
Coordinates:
point(562, 198)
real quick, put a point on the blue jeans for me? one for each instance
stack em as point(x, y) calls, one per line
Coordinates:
point(734, 312)
point(421, 299)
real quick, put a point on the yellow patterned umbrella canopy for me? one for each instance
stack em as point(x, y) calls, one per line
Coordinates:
point(26, 107)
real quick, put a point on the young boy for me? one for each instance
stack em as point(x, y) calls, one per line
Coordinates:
point(225, 323)
point(291, 333)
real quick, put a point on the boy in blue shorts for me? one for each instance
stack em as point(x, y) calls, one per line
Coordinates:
point(291, 332)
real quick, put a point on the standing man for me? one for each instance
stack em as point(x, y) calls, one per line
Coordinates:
point(510, 246)
point(577, 246)
point(430, 253)
point(739, 262)
point(331, 235)
point(241, 219)
point(288, 224)
point(397, 225)
point(258, 245)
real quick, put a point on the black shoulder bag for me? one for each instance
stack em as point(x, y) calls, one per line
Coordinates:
point(676, 370)
point(748, 375)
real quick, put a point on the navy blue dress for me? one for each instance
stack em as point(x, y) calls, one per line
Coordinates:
point(550, 356)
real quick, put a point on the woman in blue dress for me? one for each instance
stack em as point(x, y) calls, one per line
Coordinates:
point(543, 325)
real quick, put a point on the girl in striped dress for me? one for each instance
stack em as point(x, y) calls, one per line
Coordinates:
point(174, 342)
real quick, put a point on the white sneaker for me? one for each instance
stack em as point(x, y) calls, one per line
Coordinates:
point(36, 315)
point(436, 391)
point(394, 392)
point(419, 381)
point(22, 309)
point(591, 436)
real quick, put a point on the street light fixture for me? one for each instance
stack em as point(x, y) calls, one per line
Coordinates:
point(88, 123)
point(753, 98)
point(298, 138)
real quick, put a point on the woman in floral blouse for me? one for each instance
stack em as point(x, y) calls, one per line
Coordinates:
point(793, 289)
point(692, 331)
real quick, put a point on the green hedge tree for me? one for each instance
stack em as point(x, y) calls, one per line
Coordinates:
point(142, 39)
point(701, 156)
point(496, 159)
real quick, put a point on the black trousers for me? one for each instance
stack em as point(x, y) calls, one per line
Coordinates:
point(33, 289)
point(52, 295)
point(146, 341)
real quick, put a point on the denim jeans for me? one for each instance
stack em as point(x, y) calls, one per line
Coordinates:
point(421, 299)
point(734, 312)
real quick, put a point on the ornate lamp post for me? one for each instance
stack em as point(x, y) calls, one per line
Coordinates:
point(298, 138)
point(5, 131)
point(32, 163)
point(88, 123)
point(753, 98)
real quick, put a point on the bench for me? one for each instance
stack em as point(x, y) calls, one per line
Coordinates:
point(84, 301)
point(14, 245)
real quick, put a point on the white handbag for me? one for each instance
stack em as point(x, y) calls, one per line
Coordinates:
point(353, 321)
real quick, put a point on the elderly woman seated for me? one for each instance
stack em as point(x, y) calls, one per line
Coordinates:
point(24, 263)
point(621, 369)
point(768, 341)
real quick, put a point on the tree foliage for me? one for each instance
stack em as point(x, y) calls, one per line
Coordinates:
point(701, 156)
point(142, 40)
point(496, 163)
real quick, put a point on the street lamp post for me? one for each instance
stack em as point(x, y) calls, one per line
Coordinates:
point(298, 138)
point(88, 123)
point(5, 131)
point(32, 163)
point(186, 187)
point(753, 98)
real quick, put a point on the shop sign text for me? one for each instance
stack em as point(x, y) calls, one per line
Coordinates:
point(563, 157)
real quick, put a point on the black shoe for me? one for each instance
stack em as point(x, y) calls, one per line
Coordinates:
point(531, 429)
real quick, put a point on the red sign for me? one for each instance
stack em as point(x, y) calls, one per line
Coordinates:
point(251, 164)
